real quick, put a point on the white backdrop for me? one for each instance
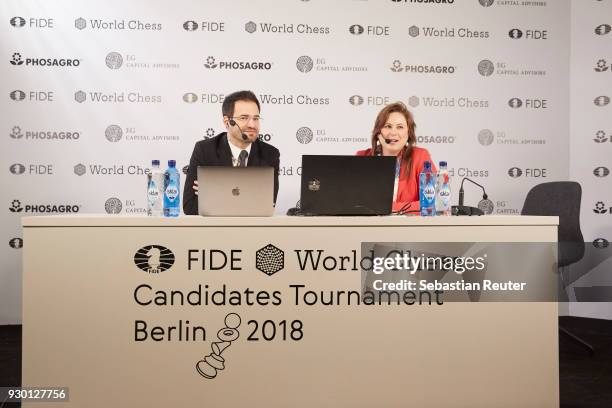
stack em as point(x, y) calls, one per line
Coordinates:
point(93, 92)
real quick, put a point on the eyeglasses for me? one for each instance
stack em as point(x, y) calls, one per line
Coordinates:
point(247, 118)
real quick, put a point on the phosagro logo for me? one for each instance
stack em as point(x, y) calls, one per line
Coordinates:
point(17, 59)
point(602, 100)
point(304, 135)
point(396, 66)
point(600, 208)
point(16, 206)
point(270, 259)
point(601, 171)
point(16, 132)
point(211, 63)
point(600, 137)
point(304, 64)
point(154, 259)
point(601, 66)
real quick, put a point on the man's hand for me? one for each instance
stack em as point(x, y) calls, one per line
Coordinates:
point(195, 186)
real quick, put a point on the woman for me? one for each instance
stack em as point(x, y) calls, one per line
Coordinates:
point(394, 135)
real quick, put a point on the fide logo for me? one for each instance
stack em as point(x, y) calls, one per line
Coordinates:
point(601, 101)
point(397, 66)
point(190, 25)
point(16, 133)
point(17, 95)
point(601, 171)
point(304, 64)
point(603, 29)
point(190, 97)
point(17, 22)
point(515, 33)
point(515, 172)
point(114, 60)
point(600, 208)
point(414, 31)
point(515, 103)
point(250, 27)
point(17, 168)
point(304, 135)
point(486, 3)
point(113, 133)
point(601, 66)
point(269, 259)
point(356, 29)
point(414, 101)
point(485, 137)
point(16, 60)
point(113, 206)
point(600, 137)
point(356, 100)
point(486, 68)
point(601, 243)
point(154, 259)
point(16, 243)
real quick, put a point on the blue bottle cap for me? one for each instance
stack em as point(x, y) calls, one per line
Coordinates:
point(427, 165)
point(442, 164)
point(171, 163)
point(155, 162)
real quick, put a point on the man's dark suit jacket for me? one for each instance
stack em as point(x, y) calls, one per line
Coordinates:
point(216, 152)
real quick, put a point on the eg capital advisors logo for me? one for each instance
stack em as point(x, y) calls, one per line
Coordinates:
point(154, 259)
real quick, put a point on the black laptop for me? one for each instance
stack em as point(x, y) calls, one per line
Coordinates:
point(347, 185)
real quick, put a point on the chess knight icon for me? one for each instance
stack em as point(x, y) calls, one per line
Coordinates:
point(212, 363)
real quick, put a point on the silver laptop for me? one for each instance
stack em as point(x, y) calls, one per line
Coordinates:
point(236, 191)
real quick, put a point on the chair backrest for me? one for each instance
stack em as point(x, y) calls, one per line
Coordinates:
point(562, 199)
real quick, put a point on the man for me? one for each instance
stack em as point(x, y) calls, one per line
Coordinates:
point(239, 146)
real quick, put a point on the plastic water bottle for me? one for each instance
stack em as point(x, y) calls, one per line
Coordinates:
point(443, 191)
point(172, 185)
point(427, 190)
point(155, 190)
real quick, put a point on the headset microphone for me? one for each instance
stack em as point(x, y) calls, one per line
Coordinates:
point(232, 122)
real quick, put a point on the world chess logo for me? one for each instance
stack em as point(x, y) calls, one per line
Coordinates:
point(601, 66)
point(154, 259)
point(114, 60)
point(190, 25)
point(304, 135)
point(113, 206)
point(486, 68)
point(16, 206)
point(113, 133)
point(250, 27)
point(304, 64)
point(17, 95)
point(356, 29)
point(601, 171)
point(414, 101)
point(515, 33)
point(600, 137)
point(16, 243)
point(16, 132)
point(210, 63)
point(485, 137)
point(16, 59)
point(397, 66)
point(601, 101)
point(190, 97)
point(515, 103)
point(210, 365)
point(269, 260)
point(600, 208)
point(17, 168)
point(17, 21)
point(515, 172)
point(80, 169)
point(80, 23)
point(414, 31)
point(603, 29)
point(356, 100)
point(80, 96)
point(601, 243)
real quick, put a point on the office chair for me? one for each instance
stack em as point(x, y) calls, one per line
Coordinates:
point(562, 199)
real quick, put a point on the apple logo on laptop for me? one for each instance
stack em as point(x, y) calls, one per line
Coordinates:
point(236, 191)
